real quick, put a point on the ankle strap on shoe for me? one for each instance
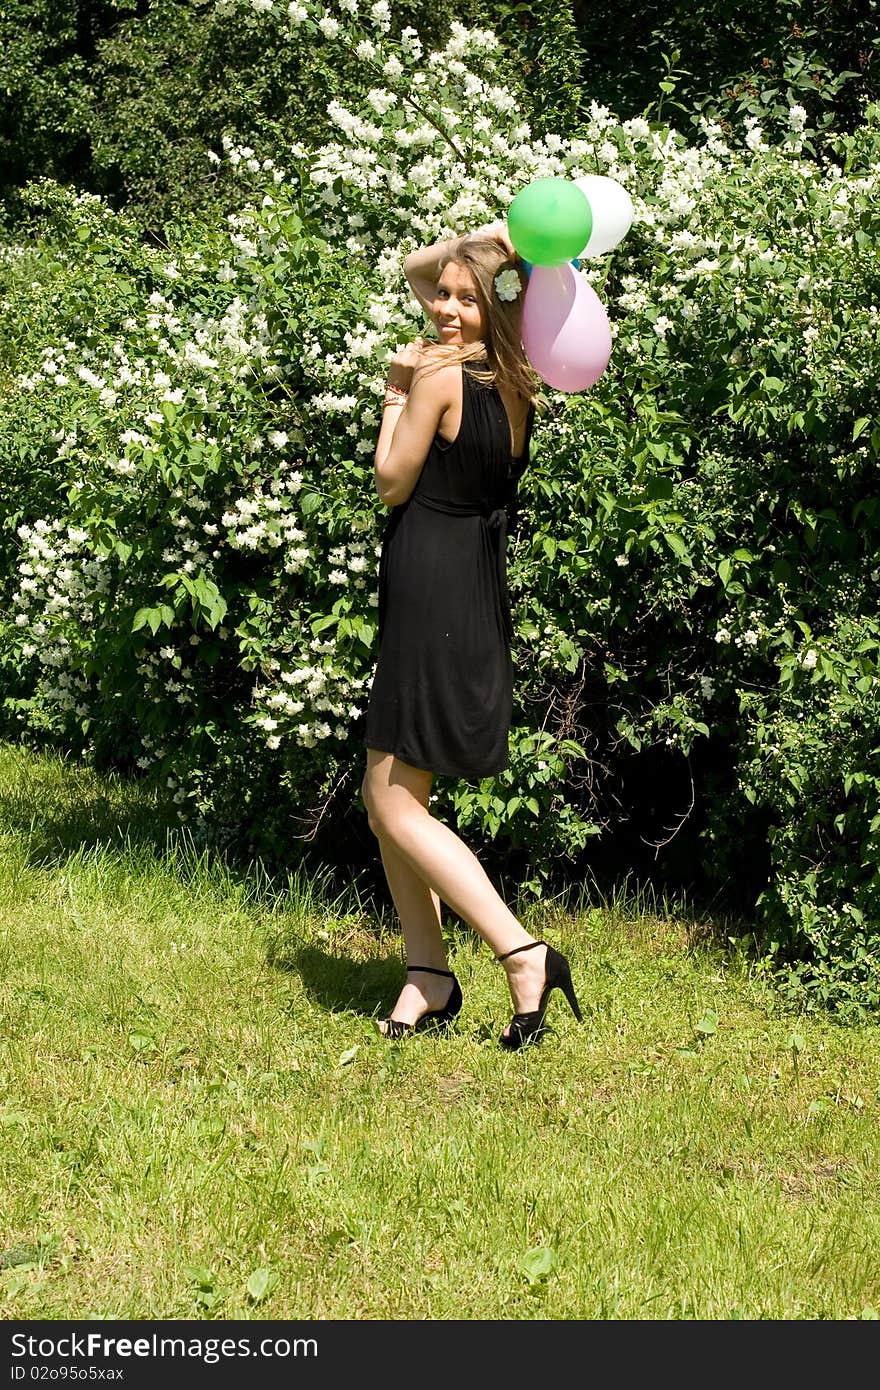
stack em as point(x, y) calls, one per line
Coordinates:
point(429, 970)
point(516, 950)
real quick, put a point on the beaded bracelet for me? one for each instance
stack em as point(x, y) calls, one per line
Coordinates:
point(395, 395)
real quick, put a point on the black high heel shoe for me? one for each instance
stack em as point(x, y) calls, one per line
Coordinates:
point(434, 1018)
point(529, 1027)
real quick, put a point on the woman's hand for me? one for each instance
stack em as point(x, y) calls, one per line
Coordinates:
point(403, 363)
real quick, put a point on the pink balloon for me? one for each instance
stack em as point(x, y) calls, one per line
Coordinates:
point(565, 330)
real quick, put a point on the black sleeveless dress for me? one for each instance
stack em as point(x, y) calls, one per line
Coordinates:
point(441, 697)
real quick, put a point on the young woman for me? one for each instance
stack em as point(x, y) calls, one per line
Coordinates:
point(452, 446)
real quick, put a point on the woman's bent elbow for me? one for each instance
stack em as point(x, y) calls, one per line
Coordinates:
point(384, 486)
point(389, 492)
point(391, 499)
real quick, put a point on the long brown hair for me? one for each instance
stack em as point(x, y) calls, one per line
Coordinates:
point(501, 348)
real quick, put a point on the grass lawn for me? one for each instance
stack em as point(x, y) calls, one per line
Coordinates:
point(198, 1118)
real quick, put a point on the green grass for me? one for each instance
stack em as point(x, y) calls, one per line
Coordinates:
point(192, 1091)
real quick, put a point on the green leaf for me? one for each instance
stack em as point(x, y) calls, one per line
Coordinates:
point(260, 1282)
point(15, 1284)
point(676, 544)
point(781, 570)
point(13, 1119)
point(24, 1256)
point(708, 1024)
point(659, 488)
point(538, 1263)
point(348, 1056)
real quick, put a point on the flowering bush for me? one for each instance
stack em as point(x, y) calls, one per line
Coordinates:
point(692, 572)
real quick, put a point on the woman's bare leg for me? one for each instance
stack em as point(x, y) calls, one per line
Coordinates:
point(418, 908)
point(396, 797)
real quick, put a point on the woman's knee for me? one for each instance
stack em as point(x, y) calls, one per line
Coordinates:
point(380, 812)
point(388, 808)
point(384, 814)
point(370, 800)
point(392, 792)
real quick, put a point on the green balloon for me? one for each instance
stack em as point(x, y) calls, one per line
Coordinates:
point(550, 221)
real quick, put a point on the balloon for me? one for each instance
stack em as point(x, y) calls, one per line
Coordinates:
point(549, 221)
point(612, 211)
point(565, 330)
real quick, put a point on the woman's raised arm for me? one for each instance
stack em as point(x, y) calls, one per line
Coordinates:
point(422, 268)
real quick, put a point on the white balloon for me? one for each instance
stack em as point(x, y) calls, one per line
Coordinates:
point(612, 211)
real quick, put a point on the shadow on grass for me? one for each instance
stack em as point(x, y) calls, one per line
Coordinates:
point(340, 983)
point(61, 807)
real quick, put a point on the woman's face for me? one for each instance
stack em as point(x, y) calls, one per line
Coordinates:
point(456, 308)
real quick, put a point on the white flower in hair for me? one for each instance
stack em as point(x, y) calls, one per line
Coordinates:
point(507, 285)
